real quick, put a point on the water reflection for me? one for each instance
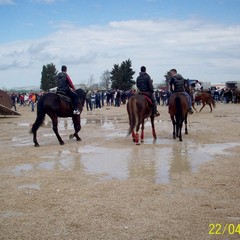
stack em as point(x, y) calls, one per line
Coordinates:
point(157, 162)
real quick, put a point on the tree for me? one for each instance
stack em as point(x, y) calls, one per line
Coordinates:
point(105, 80)
point(167, 79)
point(48, 79)
point(122, 76)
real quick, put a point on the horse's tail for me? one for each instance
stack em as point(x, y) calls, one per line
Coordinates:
point(213, 101)
point(132, 114)
point(179, 110)
point(40, 116)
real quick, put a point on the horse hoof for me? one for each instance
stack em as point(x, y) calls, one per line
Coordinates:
point(62, 143)
point(79, 139)
point(71, 136)
point(36, 145)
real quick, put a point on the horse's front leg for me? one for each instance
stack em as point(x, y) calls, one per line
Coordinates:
point(77, 127)
point(193, 105)
point(202, 106)
point(55, 129)
point(153, 128)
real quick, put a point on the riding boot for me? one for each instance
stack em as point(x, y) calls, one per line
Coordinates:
point(155, 111)
point(190, 111)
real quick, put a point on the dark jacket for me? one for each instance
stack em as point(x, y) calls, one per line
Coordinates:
point(64, 83)
point(144, 83)
point(179, 83)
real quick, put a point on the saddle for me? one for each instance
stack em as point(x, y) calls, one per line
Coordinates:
point(64, 96)
point(146, 96)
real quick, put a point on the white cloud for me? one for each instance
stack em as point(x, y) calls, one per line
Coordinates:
point(6, 2)
point(204, 51)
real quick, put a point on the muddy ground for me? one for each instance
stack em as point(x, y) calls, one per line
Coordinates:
point(106, 187)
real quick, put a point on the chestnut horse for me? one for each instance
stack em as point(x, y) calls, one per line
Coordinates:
point(178, 110)
point(55, 106)
point(139, 107)
point(205, 98)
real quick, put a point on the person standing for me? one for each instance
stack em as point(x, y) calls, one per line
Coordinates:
point(65, 84)
point(144, 84)
point(179, 84)
point(88, 101)
point(13, 98)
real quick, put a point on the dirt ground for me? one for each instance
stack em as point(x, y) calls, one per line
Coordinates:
point(106, 187)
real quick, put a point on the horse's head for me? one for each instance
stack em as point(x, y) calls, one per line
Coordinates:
point(81, 95)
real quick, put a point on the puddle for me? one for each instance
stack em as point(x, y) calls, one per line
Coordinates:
point(164, 159)
point(7, 214)
point(34, 186)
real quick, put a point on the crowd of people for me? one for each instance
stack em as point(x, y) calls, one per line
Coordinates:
point(99, 98)
point(24, 99)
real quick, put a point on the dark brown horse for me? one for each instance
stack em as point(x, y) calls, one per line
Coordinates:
point(205, 98)
point(55, 106)
point(178, 110)
point(139, 108)
point(236, 95)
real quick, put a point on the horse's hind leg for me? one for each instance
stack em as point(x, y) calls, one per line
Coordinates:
point(210, 105)
point(137, 139)
point(179, 130)
point(153, 128)
point(142, 131)
point(34, 132)
point(174, 126)
point(185, 122)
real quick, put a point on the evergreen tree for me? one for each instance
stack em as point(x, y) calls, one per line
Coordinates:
point(167, 79)
point(48, 79)
point(122, 76)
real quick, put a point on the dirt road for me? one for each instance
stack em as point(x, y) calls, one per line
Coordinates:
point(106, 187)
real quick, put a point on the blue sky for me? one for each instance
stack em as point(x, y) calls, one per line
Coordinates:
point(200, 38)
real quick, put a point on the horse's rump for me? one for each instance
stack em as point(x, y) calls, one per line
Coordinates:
point(138, 106)
point(147, 96)
point(177, 102)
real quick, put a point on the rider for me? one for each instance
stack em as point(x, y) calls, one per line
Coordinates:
point(144, 84)
point(65, 84)
point(178, 84)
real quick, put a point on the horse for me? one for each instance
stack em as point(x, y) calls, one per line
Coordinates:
point(58, 105)
point(178, 110)
point(139, 107)
point(236, 95)
point(206, 98)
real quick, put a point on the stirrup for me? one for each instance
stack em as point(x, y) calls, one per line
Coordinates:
point(190, 111)
point(76, 112)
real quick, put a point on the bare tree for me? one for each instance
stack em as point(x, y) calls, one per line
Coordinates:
point(90, 81)
point(105, 80)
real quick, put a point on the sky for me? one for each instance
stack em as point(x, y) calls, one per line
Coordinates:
point(200, 38)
